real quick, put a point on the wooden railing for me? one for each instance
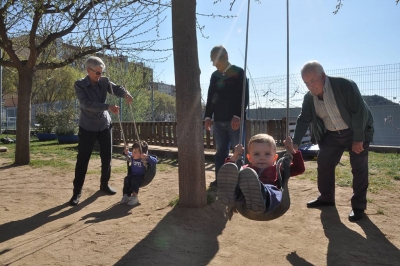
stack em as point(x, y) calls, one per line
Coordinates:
point(164, 133)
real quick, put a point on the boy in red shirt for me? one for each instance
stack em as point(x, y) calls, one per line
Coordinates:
point(257, 182)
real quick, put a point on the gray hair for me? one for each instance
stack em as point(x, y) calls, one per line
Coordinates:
point(313, 66)
point(94, 61)
point(218, 51)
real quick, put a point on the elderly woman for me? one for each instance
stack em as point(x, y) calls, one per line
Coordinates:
point(95, 123)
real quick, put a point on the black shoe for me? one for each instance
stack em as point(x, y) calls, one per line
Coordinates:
point(214, 183)
point(75, 199)
point(318, 203)
point(356, 214)
point(108, 189)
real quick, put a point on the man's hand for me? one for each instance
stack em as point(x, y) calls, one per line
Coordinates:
point(235, 123)
point(113, 109)
point(357, 147)
point(207, 124)
point(128, 98)
point(289, 146)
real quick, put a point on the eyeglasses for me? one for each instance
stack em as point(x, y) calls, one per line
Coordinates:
point(96, 72)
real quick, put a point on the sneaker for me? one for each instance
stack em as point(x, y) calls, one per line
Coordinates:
point(250, 186)
point(124, 199)
point(133, 201)
point(228, 176)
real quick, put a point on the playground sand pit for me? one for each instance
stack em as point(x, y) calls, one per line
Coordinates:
point(38, 227)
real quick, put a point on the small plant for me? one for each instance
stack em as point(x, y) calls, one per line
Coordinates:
point(46, 120)
point(66, 122)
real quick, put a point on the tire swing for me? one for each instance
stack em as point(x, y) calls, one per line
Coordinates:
point(282, 164)
point(150, 169)
point(148, 176)
point(281, 209)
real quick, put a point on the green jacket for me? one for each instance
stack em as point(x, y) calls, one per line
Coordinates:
point(352, 108)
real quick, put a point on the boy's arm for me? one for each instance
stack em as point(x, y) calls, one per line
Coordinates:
point(236, 154)
point(297, 165)
point(152, 159)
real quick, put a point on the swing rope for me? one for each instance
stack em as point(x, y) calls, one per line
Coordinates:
point(123, 83)
point(283, 163)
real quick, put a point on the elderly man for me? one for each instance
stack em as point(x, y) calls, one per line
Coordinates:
point(340, 120)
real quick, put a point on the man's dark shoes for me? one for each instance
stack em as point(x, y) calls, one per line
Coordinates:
point(108, 189)
point(75, 199)
point(318, 203)
point(356, 214)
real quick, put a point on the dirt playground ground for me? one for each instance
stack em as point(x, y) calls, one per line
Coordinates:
point(38, 227)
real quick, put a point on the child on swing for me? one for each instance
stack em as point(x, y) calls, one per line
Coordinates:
point(139, 160)
point(257, 182)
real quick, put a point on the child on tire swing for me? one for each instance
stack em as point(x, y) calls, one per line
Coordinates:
point(132, 182)
point(257, 182)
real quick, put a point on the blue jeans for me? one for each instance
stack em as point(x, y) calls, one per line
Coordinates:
point(225, 138)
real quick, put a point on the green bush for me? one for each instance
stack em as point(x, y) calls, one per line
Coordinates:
point(67, 121)
point(46, 120)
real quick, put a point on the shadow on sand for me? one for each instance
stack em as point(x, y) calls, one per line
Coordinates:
point(348, 247)
point(183, 237)
point(20, 227)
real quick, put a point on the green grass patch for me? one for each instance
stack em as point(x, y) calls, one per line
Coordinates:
point(384, 170)
point(174, 202)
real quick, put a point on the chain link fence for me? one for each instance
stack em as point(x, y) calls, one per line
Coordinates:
point(380, 86)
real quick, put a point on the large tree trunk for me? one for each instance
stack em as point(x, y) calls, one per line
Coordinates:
point(22, 148)
point(192, 192)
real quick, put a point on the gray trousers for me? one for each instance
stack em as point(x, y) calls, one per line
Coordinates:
point(332, 146)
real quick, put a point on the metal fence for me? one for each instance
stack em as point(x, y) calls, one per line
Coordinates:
point(268, 97)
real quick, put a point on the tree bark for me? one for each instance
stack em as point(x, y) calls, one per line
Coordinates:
point(192, 192)
point(22, 147)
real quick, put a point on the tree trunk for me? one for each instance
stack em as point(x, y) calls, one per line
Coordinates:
point(22, 147)
point(192, 192)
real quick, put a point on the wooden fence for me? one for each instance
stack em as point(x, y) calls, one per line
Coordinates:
point(165, 133)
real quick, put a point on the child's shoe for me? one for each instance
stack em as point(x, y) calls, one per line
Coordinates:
point(227, 179)
point(125, 199)
point(250, 186)
point(133, 201)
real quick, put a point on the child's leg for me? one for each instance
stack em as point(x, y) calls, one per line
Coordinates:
point(127, 185)
point(227, 179)
point(135, 184)
point(125, 191)
point(274, 196)
point(253, 190)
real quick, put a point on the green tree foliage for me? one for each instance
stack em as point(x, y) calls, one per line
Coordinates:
point(52, 85)
point(164, 107)
point(136, 78)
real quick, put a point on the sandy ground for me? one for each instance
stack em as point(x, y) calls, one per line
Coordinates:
point(38, 227)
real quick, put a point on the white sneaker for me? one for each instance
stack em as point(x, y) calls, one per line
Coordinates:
point(133, 201)
point(124, 199)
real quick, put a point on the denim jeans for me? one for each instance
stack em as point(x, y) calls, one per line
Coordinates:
point(225, 139)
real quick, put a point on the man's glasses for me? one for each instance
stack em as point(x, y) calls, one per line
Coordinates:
point(96, 72)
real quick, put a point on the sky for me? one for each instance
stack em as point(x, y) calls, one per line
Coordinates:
point(362, 33)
